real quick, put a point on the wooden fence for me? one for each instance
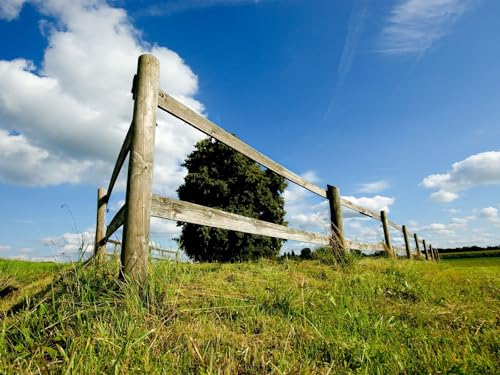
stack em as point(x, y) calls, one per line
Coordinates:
point(141, 203)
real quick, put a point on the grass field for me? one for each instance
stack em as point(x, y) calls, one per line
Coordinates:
point(377, 316)
point(492, 264)
point(22, 272)
point(24, 279)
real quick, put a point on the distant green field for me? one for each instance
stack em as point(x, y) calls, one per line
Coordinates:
point(471, 254)
point(480, 262)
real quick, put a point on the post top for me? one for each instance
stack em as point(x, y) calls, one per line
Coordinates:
point(147, 57)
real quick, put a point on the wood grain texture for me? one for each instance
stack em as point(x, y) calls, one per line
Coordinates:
point(151, 247)
point(135, 251)
point(407, 242)
point(100, 230)
point(182, 112)
point(116, 223)
point(425, 250)
point(432, 252)
point(179, 110)
point(119, 161)
point(337, 223)
point(187, 212)
point(173, 209)
point(387, 235)
point(417, 247)
point(364, 246)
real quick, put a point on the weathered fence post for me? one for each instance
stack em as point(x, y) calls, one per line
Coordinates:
point(135, 244)
point(100, 228)
point(407, 242)
point(425, 249)
point(417, 246)
point(431, 251)
point(437, 254)
point(333, 195)
point(387, 235)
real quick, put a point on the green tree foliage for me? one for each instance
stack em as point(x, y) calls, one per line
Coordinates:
point(306, 253)
point(222, 178)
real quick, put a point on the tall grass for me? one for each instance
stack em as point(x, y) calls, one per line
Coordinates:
point(376, 316)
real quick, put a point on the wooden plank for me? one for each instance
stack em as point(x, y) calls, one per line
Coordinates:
point(367, 212)
point(119, 161)
point(151, 247)
point(363, 246)
point(116, 223)
point(179, 110)
point(135, 251)
point(395, 226)
point(100, 230)
point(363, 211)
point(174, 209)
point(161, 250)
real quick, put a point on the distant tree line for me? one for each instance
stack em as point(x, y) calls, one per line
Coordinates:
point(468, 249)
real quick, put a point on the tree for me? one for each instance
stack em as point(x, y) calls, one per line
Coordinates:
point(306, 253)
point(222, 178)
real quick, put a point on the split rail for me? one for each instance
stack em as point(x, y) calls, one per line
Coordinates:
point(141, 203)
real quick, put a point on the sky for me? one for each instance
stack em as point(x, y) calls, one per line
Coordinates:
point(396, 102)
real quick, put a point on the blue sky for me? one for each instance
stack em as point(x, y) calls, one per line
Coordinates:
point(396, 102)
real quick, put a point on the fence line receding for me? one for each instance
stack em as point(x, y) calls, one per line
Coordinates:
point(141, 204)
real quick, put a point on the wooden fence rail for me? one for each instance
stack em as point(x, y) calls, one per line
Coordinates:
point(141, 204)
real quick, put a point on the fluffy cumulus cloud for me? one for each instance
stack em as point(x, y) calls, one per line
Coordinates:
point(479, 229)
point(374, 187)
point(376, 203)
point(490, 213)
point(64, 120)
point(70, 246)
point(9, 9)
point(476, 170)
point(309, 212)
point(304, 209)
point(414, 25)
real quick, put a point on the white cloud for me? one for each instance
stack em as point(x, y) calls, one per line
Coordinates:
point(72, 111)
point(71, 244)
point(374, 187)
point(9, 9)
point(414, 25)
point(308, 212)
point(444, 196)
point(490, 213)
point(363, 230)
point(476, 170)
point(376, 203)
point(460, 221)
point(305, 210)
point(161, 227)
point(22, 162)
point(5, 248)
